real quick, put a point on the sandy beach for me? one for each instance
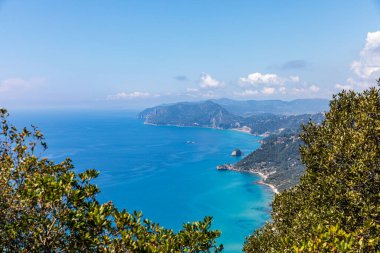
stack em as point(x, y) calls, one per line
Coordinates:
point(262, 181)
point(243, 129)
point(262, 175)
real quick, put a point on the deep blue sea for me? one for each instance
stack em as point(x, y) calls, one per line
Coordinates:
point(154, 169)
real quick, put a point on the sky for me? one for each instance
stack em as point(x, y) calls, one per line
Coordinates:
point(133, 54)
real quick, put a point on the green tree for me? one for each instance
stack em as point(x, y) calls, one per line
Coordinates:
point(47, 207)
point(336, 206)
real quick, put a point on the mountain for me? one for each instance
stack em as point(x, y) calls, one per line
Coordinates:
point(278, 157)
point(210, 114)
point(269, 123)
point(294, 107)
point(202, 114)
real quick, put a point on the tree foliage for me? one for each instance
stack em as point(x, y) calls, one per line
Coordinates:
point(47, 207)
point(336, 206)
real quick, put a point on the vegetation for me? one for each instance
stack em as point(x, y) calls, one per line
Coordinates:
point(201, 114)
point(47, 207)
point(247, 108)
point(210, 114)
point(278, 157)
point(336, 206)
point(276, 124)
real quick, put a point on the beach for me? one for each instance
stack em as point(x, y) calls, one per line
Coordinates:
point(262, 175)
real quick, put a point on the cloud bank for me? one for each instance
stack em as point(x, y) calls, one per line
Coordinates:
point(270, 84)
point(16, 84)
point(368, 65)
point(132, 95)
point(366, 68)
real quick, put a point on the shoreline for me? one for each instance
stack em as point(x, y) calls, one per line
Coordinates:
point(246, 130)
point(273, 188)
point(260, 174)
point(262, 181)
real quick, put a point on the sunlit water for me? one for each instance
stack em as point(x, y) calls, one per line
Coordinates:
point(156, 170)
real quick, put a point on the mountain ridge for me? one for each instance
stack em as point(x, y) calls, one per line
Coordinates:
point(293, 107)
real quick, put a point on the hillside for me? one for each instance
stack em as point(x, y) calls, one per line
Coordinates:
point(279, 158)
point(335, 207)
point(269, 123)
point(202, 114)
point(210, 114)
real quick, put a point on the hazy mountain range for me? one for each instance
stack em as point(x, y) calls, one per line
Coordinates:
point(294, 107)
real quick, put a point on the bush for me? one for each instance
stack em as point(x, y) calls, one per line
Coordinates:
point(336, 206)
point(47, 207)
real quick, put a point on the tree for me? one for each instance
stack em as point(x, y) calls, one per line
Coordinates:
point(336, 206)
point(47, 207)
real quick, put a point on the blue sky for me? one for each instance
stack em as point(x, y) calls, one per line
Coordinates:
point(129, 54)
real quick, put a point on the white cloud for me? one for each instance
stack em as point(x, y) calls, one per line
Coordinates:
point(343, 87)
point(294, 79)
point(282, 90)
point(200, 93)
point(192, 90)
point(18, 84)
point(258, 78)
point(304, 90)
point(246, 93)
point(208, 94)
point(132, 95)
point(366, 69)
point(314, 88)
point(268, 90)
point(272, 84)
point(208, 82)
point(368, 65)
point(267, 79)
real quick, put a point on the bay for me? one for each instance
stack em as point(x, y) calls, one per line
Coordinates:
point(167, 172)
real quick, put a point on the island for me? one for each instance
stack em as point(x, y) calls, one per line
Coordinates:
point(236, 152)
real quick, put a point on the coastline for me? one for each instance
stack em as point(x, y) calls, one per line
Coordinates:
point(246, 130)
point(262, 181)
point(273, 188)
point(172, 125)
point(260, 174)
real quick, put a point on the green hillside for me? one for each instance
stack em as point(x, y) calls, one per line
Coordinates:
point(278, 157)
point(336, 205)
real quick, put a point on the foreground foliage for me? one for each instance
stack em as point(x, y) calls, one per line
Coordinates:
point(336, 206)
point(47, 207)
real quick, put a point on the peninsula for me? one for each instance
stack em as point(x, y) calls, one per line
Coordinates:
point(277, 161)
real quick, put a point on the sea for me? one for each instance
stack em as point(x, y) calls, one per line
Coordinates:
point(169, 173)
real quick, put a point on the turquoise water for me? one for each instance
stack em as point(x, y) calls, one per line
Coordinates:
point(154, 169)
